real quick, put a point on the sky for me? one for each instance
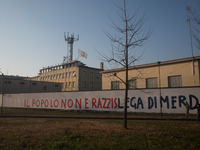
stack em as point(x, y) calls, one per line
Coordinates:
point(32, 31)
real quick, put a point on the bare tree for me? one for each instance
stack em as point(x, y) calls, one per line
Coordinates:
point(194, 17)
point(129, 34)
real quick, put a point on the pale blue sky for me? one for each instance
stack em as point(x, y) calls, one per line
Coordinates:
point(31, 31)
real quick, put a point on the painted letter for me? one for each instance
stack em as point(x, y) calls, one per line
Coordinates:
point(140, 103)
point(46, 103)
point(165, 100)
point(33, 102)
point(56, 103)
point(115, 102)
point(150, 102)
point(63, 103)
point(120, 107)
point(94, 103)
point(191, 97)
point(132, 101)
point(99, 103)
point(86, 103)
point(173, 102)
point(42, 102)
point(68, 103)
point(78, 103)
point(181, 100)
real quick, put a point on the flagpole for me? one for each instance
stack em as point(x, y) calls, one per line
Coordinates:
point(78, 53)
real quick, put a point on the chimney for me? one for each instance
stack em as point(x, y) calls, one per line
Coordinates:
point(101, 65)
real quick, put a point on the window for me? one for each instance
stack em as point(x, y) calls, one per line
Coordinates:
point(74, 74)
point(73, 84)
point(66, 85)
point(63, 75)
point(45, 88)
point(114, 85)
point(34, 83)
point(174, 81)
point(97, 85)
point(91, 85)
point(91, 74)
point(84, 73)
point(70, 85)
point(66, 75)
point(98, 75)
point(84, 84)
point(21, 83)
point(132, 84)
point(69, 74)
point(151, 83)
point(63, 86)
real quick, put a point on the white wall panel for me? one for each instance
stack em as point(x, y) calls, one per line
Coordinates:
point(172, 100)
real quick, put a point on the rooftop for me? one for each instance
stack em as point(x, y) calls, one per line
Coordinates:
point(73, 63)
point(155, 64)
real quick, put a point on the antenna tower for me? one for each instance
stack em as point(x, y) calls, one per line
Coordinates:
point(70, 41)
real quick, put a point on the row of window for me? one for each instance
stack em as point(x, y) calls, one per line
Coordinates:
point(91, 74)
point(173, 81)
point(58, 67)
point(91, 85)
point(72, 85)
point(59, 76)
point(66, 75)
point(23, 83)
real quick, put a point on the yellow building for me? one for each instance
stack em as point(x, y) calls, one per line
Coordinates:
point(74, 75)
point(174, 73)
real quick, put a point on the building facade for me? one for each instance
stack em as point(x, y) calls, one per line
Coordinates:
point(74, 75)
point(17, 84)
point(175, 73)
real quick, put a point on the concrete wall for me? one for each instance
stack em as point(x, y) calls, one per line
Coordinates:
point(148, 101)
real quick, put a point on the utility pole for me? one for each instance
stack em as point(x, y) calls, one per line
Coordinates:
point(160, 89)
point(191, 42)
point(70, 41)
point(2, 93)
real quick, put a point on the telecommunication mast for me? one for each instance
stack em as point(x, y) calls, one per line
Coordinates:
point(70, 41)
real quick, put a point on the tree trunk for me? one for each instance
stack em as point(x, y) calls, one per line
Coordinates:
point(125, 100)
point(126, 60)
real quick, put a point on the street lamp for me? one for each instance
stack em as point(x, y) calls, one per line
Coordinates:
point(191, 43)
point(2, 92)
point(160, 88)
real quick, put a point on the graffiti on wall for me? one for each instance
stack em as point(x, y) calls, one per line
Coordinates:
point(171, 101)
